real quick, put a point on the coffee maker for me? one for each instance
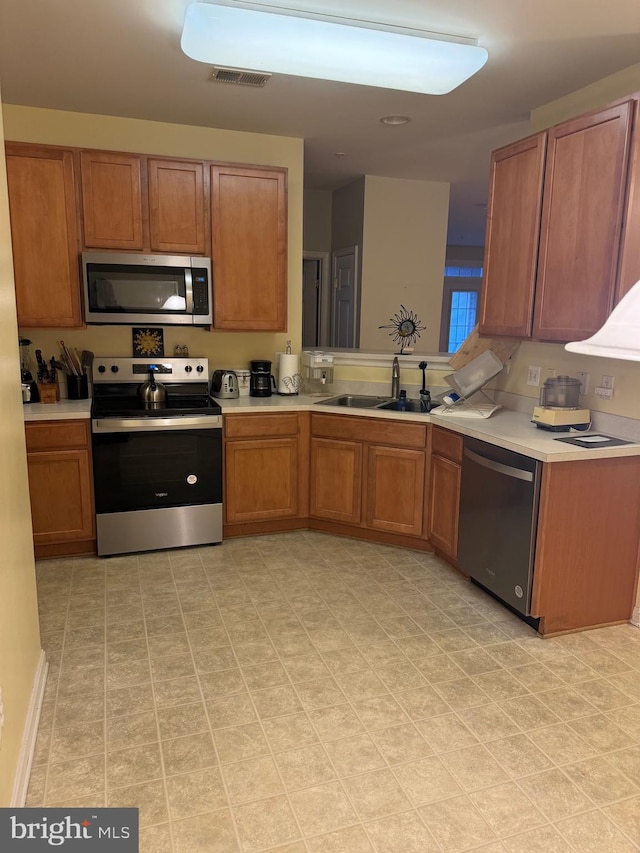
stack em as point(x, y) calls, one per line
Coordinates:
point(261, 381)
point(29, 385)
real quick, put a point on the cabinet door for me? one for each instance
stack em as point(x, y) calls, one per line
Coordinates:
point(112, 200)
point(60, 490)
point(444, 502)
point(249, 248)
point(44, 234)
point(395, 490)
point(177, 206)
point(584, 192)
point(261, 479)
point(513, 225)
point(335, 480)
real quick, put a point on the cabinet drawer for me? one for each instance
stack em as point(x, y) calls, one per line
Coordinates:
point(56, 435)
point(365, 429)
point(260, 426)
point(447, 443)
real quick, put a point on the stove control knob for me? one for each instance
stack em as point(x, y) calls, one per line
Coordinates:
point(102, 368)
point(200, 368)
point(114, 368)
point(188, 368)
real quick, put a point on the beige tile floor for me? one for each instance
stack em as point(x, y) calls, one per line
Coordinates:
point(311, 694)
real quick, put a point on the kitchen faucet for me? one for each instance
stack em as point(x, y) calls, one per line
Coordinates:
point(395, 378)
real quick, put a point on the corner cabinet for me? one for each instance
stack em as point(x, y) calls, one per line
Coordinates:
point(44, 235)
point(367, 478)
point(554, 228)
point(444, 490)
point(60, 487)
point(266, 470)
point(249, 248)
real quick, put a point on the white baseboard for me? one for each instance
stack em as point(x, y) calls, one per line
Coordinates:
point(23, 771)
point(635, 617)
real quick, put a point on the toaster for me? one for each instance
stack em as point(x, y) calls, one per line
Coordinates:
point(224, 384)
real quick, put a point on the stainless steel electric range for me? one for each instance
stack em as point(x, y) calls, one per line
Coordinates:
point(157, 467)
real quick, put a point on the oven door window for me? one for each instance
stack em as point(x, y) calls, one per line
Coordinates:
point(114, 289)
point(147, 470)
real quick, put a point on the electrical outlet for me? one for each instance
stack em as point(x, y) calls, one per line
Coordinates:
point(533, 375)
point(605, 393)
point(583, 376)
point(607, 382)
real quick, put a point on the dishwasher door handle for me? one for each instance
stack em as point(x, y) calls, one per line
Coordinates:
point(507, 470)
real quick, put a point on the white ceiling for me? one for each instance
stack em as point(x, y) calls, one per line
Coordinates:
point(123, 57)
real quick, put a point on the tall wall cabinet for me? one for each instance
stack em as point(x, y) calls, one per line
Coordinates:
point(559, 206)
point(44, 234)
point(63, 200)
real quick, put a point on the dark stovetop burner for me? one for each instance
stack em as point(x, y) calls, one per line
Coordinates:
point(116, 401)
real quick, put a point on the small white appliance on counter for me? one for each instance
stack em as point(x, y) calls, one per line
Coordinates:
point(317, 371)
point(559, 409)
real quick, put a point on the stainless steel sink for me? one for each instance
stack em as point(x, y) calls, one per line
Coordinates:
point(353, 401)
point(405, 406)
point(362, 401)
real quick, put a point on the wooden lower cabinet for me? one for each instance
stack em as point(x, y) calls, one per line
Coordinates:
point(336, 480)
point(444, 490)
point(60, 487)
point(368, 475)
point(394, 489)
point(266, 469)
point(586, 561)
point(444, 501)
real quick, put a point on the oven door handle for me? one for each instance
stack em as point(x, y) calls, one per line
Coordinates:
point(107, 425)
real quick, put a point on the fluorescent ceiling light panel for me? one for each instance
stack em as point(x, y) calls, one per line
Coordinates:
point(348, 53)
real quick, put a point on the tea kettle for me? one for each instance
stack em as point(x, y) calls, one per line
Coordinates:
point(152, 393)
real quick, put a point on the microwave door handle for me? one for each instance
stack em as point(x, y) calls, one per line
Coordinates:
point(188, 288)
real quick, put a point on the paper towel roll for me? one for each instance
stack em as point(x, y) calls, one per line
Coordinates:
point(288, 366)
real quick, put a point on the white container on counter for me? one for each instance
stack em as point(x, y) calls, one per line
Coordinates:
point(243, 381)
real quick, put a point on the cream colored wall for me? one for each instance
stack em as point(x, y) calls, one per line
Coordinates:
point(405, 235)
point(224, 349)
point(591, 97)
point(19, 634)
point(317, 221)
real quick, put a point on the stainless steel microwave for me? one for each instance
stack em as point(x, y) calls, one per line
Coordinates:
point(131, 289)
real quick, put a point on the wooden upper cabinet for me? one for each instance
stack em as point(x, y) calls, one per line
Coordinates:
point(44, 234)
point(249, 247)
point(112, 193)
point(513, 222)
point(584, 192)
point(629, 266)
point(177, 206)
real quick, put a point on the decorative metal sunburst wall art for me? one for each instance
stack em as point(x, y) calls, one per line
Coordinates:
point(406, 328)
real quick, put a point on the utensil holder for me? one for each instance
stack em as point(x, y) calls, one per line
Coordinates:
point(48, 392)
point(77, 387)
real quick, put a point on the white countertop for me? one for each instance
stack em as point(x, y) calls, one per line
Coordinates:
point(506, 428)
point(63, 410)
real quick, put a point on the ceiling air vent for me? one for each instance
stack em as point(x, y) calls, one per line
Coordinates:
point(240, 76)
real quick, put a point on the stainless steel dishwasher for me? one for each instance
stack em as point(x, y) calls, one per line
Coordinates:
point(499, 496)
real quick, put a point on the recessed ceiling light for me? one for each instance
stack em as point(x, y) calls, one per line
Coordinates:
point(395, 120)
